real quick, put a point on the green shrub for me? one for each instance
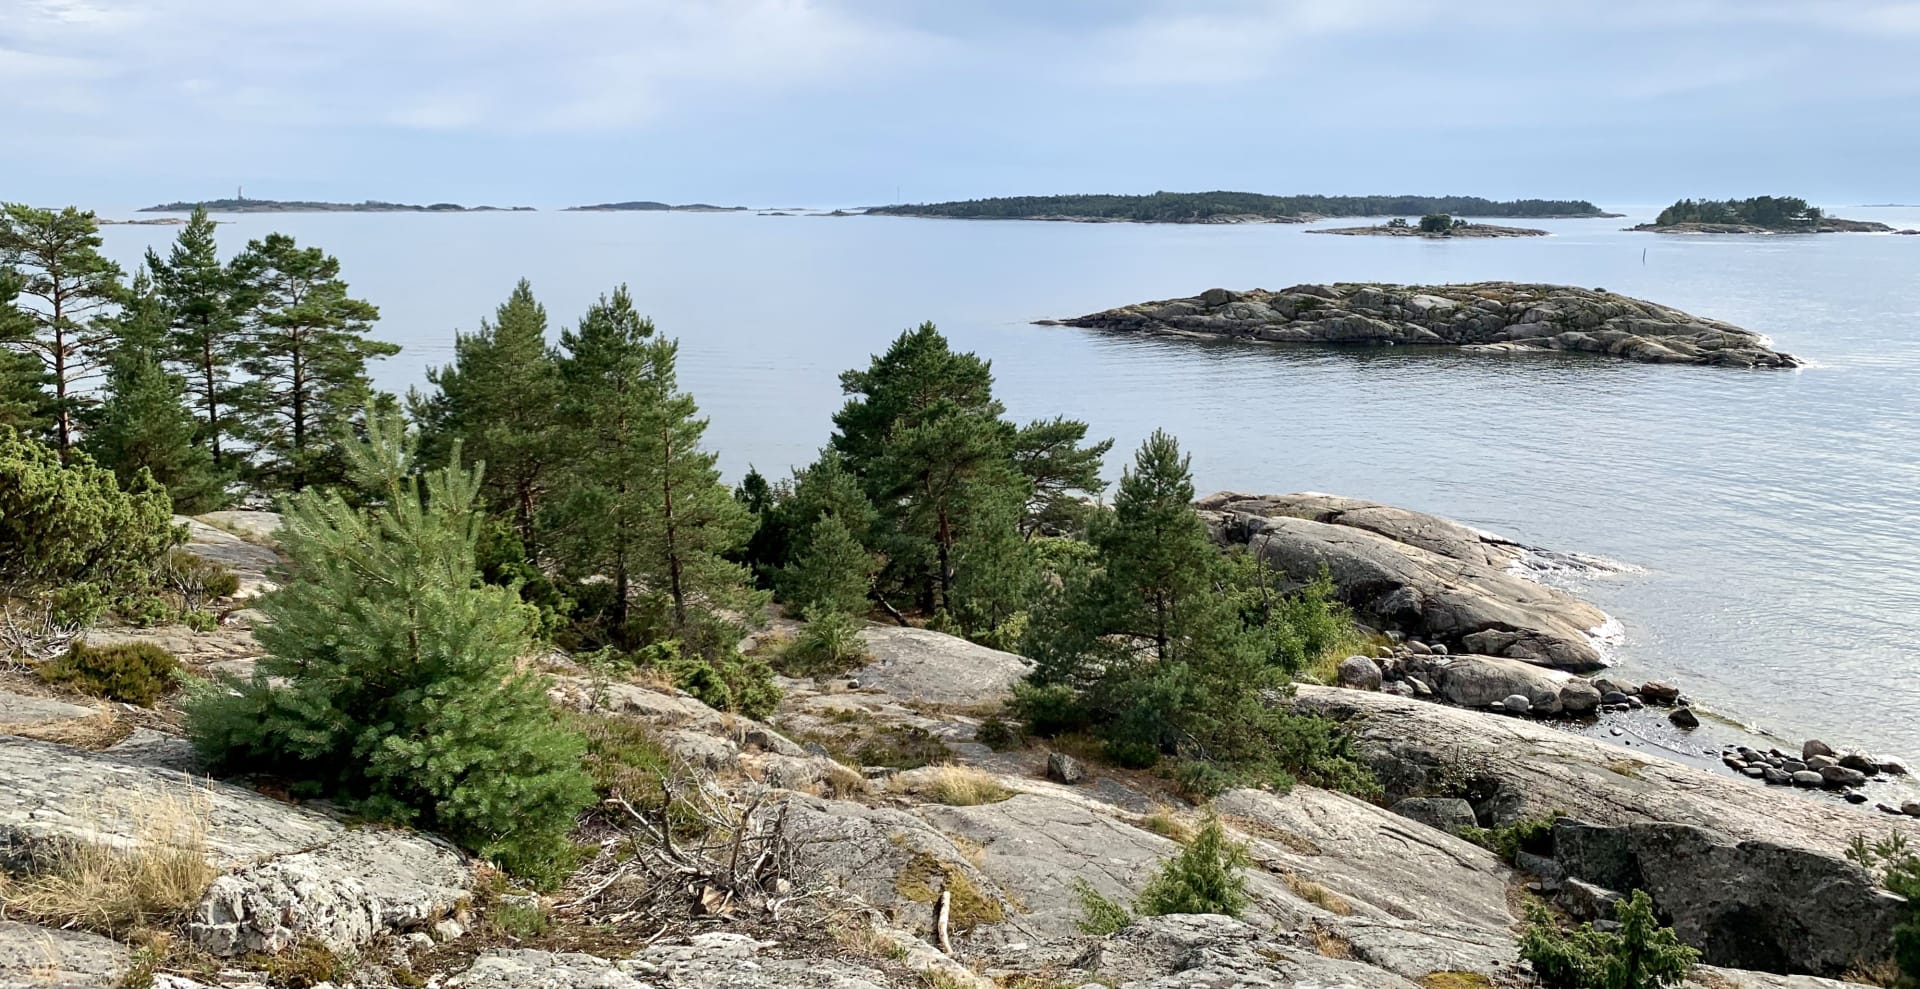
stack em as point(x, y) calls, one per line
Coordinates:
point(828, 645)
point(1639, 955)
point(1208, 876)
point(390, 679)
point(196, 579)
point(72, 541)
point(131, 672)
point(1533, 835)
point(1899, 870)
point(1099, 916)
point(1049, 709)
point(995, 733)
point(724, 680)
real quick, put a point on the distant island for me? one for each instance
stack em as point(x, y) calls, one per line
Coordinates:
point(648, 206)
point(1234, 207)
point(1759, 215)
point(306, 206)
point(1433, 226)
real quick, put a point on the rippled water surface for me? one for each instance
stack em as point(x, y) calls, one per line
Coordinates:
point(1774, 513)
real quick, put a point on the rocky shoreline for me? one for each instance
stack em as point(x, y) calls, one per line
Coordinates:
point(1471, 230)
point(863, 876)
point(1480, 318)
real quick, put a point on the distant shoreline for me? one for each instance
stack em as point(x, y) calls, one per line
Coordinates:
point(1236, 207)
point(311, 206)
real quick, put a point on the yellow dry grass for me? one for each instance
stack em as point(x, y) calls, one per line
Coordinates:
point(122, 889)
point(963, 786)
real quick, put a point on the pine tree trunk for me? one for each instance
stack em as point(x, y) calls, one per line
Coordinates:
point(944, 541)
point(64, 416)
point(672, 531)
point(213, 402)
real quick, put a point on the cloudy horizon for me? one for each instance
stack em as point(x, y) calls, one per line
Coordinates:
point(113, 104)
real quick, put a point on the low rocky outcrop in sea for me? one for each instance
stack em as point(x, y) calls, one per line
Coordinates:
point(1408, 230)
point(1479, 318)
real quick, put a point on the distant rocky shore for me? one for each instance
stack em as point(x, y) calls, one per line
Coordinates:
point(310, 206)
point(1408, 230)
point(1828, 225)
point(649, 206)
point(1480, 318)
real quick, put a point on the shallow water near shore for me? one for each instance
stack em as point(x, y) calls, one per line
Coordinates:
point(1774, 514)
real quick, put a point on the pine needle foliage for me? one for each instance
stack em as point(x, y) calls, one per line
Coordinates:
point(390, 679)
point(1640, 954)
point(1208, 876)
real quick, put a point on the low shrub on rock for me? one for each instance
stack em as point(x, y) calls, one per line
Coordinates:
point(1208, 876)
point(130, 672)
point(391, 679)
point(1639, 955)
point(828, 645)
point(1898, 867)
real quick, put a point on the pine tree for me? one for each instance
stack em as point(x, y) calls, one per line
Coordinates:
point(497, 399)
point(205, 340)
point(831, 574)
point(23, 395)
point(1208, 876)
point(926, 439)
point(597, 518)
point(67, 289)
point(1062, 472)
point(694, 523)
point(307, 357)
point(142, 425)
point(390, 678)
point(1160, 567)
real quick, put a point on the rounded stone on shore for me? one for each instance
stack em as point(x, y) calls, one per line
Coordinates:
point(1814, 747)
point(1579, 697)
point(1856, 797)
point(1807, 777)
point(1359, 673)
point(1893, 767)
point(1517, 704)
point(1818, 763)
point(1613, 698)
point(1756, 772)
point(1911, 808)
point(1684, 717)
point(1775, 777)
point(1838, 777)
point(1659, 692)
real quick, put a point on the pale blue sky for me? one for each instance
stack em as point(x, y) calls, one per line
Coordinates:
point(112, 103)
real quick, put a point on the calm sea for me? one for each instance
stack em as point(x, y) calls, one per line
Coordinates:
point(1774, 514)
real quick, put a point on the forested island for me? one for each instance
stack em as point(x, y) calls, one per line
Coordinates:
point(1235, 207)
point(648, 206)
point(1758, 215)
point(312, 206)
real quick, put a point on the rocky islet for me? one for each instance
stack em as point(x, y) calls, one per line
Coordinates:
point(1480, 318)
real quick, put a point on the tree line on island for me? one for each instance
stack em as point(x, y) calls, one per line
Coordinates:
point(1771, 212)
point(1192, 207)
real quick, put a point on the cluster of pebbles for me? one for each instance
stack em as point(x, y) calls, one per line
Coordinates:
point(1818, 766)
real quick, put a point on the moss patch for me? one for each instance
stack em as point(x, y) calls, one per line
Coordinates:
point(925, 877)
point(1455, 980)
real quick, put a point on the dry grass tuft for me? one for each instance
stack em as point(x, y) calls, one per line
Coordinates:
point(92, 733)
point(1255, 828)
point(1316, 894)
point(964, 786)
point(1329, 943)
point(122, 890)
point(1164, 824)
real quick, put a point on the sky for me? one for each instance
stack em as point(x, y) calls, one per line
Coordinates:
point(116, 103)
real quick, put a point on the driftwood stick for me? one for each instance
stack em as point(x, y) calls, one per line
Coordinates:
point(940, 921)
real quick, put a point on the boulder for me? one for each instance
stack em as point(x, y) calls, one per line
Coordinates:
point(1477, 681)
point(924, 666)
point(44, 958)
point(1063, 768)
point(1583, 901)
point(1459, 600)
point(1448, 814)
point(290, 873)
point(1579, 697)
point(362, 883)
point(1815, 747)
point(1860, 762)
point(1744, 904)
point(1659, 692)
point(1684, 717)
point(1359, 673)
point(1840, 777)
point(1517, 704)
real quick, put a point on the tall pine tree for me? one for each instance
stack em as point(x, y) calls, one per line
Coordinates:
point(390, 678)
point(498, 400)
point(307, 358)
point(596, 521)
point(695, 523)
point(205, 338)
point(1063, 473)
point(142, 425)
point(67, 290)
